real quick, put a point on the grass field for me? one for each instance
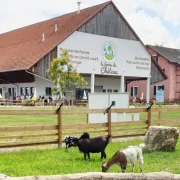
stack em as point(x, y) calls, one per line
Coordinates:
point(12, 120)
point(57, 161)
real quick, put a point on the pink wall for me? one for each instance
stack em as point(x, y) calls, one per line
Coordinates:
point(178, 84)
point(169, 84)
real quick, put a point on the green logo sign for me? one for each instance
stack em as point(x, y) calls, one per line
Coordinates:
point(109, 52)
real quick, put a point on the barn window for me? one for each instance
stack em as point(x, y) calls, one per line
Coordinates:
point(27, 93)
point(158, 87)
point(48, 91)
point(31, 90)
point(22, 91)
point(9, 90)
point(134, 91)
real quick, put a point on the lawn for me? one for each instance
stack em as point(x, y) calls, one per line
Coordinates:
point(57, 161)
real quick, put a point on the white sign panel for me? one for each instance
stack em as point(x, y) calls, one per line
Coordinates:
point(107, 56)
point(160, 96)
point(104, 101)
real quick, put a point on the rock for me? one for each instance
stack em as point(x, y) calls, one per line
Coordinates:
point(161, 138)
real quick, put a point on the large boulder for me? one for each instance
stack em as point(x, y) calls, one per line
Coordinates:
point(161, 138)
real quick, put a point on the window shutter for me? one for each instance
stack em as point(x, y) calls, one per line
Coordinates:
point(154, 90)
point(131, 91)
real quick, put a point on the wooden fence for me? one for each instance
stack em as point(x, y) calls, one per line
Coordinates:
point(57, 131)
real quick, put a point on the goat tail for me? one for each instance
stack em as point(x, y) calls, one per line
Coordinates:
point(107, 139)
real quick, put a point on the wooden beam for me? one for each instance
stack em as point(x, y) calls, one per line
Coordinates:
point(27, 136)
point(128, 123)
point(28, 143)
point(28, 128)
point(82, 126)
point(27, 112)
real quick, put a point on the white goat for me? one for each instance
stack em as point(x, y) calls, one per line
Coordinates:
point(124, 157)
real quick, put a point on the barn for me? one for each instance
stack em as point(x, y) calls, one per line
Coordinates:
point(101, 43)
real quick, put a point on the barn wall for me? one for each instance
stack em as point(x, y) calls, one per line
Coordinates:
point(44, 64)
point(108, 22)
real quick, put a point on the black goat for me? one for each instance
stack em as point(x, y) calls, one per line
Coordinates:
point(94, 145)
point(70, 140)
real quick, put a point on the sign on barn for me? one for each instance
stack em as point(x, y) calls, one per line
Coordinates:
point(106, 55)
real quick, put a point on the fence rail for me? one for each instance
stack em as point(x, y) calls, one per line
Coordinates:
point(37, 135)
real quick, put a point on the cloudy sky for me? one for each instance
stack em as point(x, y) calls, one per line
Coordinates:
point(155, 21)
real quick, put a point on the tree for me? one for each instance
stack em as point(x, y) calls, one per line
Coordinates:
point(64, 75)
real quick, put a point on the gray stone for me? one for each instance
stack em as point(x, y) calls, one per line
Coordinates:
point(161, 138)
point(104, 176)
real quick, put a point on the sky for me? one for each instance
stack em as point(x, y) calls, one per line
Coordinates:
point(156, 22)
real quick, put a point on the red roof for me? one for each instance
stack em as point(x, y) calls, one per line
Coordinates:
point(21, 48)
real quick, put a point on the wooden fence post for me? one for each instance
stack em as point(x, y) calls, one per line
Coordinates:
point(109, 121)
point(59, 126)
point(108, 111)
point(159, 116)
point(149, 116)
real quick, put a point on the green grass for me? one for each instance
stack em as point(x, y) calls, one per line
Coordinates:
point(57, 161)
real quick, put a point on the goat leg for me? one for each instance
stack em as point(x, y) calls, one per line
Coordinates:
point(66, 149)
point(123, 168)
point(133, 167)
point(88, 155)
point(103, 154)
point(84, 156)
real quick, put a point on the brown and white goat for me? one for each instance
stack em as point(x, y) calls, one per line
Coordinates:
point(124, 157)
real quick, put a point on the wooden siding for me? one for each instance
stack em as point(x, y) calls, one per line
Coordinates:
point(41, 67)
point(156, 75)
point(108, 22)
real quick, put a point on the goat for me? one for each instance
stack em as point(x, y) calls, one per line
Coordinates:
point(93, 145)
point(124, 157)
point(69, 140)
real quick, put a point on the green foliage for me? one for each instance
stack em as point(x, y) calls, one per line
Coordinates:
point(63, 73)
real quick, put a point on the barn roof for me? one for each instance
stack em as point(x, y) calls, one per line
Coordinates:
point(172, 55)
point(21, 48)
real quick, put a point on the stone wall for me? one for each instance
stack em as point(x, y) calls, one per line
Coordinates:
point(101, 176)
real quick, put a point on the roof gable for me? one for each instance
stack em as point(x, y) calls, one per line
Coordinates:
point(109, 22)
point(172, 55)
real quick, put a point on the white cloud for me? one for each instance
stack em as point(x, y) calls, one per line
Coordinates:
point(15, 14)
point(151, 29)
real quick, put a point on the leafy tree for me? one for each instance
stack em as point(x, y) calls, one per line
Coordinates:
point(64, 75)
